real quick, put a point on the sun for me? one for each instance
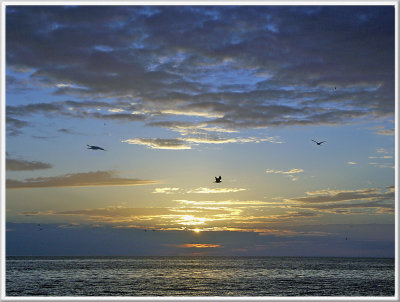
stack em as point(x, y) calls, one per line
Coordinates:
point(196, 230)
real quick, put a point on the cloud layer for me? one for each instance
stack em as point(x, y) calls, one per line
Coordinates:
point(86, 179)
point(223, 67)
point(347, 201)
point(24, 165)
point(203, 190)
point(291, 173)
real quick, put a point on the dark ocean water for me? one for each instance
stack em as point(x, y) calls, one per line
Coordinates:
point(199, 276)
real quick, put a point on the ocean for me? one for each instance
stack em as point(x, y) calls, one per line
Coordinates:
point(199, 276)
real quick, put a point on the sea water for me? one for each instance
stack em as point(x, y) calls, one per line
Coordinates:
point(199, 276)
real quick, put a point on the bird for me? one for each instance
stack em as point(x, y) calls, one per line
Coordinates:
point(218, 179)
point(318, 143)
point(95, 148)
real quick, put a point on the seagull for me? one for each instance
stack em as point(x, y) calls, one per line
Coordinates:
point(95, 148)
point(318, 143)
point(218, 179)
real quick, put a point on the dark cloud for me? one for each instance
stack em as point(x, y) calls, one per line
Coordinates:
point(24, 165)
point(328, 196)
point(366, 240)
point(362, 205)
point(348, 202)
point(240, 67)
point(25, 110)
point(66, 131)
point(117, 212)
point(87, 179)
point(14, 126)
point(84, 109)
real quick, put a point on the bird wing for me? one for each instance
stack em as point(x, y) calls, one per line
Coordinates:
point(314, 141)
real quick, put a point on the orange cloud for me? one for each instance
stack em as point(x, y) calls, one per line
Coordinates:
point(196, 245)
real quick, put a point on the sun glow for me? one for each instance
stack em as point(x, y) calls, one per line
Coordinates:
point(197, 230)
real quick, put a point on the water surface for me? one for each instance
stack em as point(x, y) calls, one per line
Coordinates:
point(199, 276)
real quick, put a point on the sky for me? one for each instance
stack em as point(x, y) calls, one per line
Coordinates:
point(179, 95)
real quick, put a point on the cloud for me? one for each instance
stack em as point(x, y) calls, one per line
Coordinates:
point(84, 109)
point(219, 140)
point(290, 233)
point(213, 190)
point(86, 179)
point(381, 150)
point(229, 202)
point(386, 132)
point(145, 217)
point(14, 126)
point(195, 245)
point(67, 131)
point(117, 212)
point(192, 113)
point(222, 66)
point(325, 196)
point(190, 128)
point(187, 142)
point(381, 156)
point(334, 208)
point(382, 166)
point(352, 163)
point(24, 165)
point(159, 143)
point(291, 173)
point(165, 190)
point(109, 213)
point(212, 216)
point(347, 201)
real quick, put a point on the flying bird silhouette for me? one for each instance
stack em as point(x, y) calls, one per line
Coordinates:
point(318, 143)
point(218, 179)
point(95, 148)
